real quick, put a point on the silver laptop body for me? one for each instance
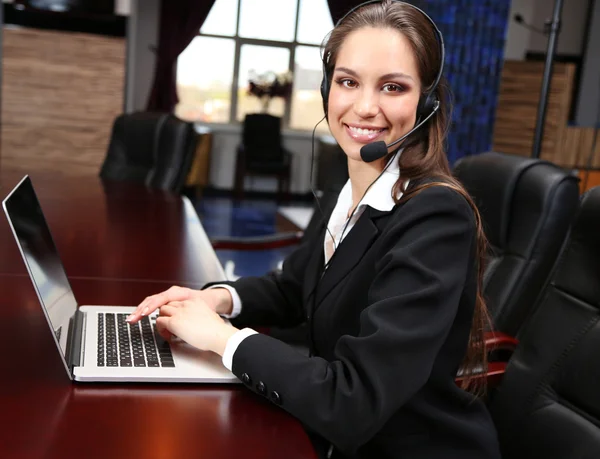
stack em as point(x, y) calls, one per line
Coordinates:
point(94, 342)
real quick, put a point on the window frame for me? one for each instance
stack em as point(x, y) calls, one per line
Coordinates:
point(239, 42)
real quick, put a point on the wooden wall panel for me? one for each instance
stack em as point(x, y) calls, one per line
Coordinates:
point(588, 179)
point(60, 94)
point(518, 101)
point(577, 147)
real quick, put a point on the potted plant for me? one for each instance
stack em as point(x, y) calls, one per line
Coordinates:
point(269, 85)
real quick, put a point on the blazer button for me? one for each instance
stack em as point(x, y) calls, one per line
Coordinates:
point(246, 379)
point(276, 398)
point(261, 388)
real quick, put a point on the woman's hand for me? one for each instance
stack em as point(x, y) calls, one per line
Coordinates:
point(217, 299)
point(196, 323)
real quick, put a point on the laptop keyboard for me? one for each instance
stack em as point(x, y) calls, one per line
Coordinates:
point(121, 344)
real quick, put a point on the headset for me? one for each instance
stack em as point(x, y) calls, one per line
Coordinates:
point(427, 107)
point(428, 102)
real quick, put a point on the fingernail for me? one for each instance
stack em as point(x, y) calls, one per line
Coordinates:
point(129, 317)
point(145, 311)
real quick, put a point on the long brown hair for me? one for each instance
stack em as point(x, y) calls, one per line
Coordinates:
point(424, 153)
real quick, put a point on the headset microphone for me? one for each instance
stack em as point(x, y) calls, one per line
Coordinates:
point(377, 150)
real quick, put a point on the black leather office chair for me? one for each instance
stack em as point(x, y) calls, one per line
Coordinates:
point(548, 404)
point(156, 149)
point(262, 153)
point(527, 206)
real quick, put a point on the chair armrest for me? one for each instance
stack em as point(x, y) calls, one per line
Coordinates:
point(495, 373)
point(258, 243)
point(498, 340)
point(494, 342)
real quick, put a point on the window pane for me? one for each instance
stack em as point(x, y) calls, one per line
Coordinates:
point(307, 103)
point(222, 19)
point(256, 61)
point(204, 89)
point(268, 19)
point(315, 21)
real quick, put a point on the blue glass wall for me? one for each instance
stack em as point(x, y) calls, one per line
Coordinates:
point(474, 32)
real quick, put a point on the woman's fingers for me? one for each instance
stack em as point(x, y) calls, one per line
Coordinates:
point(153, 302)
point(169, 309)
point(162, 327)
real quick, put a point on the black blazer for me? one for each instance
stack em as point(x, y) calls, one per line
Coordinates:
point(389, 323)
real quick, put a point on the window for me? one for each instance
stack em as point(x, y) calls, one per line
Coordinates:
point(245, 39)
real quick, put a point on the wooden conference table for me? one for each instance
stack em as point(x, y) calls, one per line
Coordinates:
point(119, 243)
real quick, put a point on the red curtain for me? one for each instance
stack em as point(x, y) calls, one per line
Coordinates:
point(180, 22)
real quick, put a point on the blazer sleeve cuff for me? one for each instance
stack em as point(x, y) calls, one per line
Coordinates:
point(232, 344)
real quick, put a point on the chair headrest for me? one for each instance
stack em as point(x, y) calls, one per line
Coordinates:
point(491, 179)
point(579, 267)
point(261, 129)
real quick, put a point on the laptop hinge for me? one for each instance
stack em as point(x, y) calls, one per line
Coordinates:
point(75, 340)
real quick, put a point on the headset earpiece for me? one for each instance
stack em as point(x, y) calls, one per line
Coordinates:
point(427, 104)
point(325, 88)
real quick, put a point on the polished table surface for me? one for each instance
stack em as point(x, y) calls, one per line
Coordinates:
point(116, 230)
point(119, 244)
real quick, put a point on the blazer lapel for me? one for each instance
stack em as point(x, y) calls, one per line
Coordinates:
point(350, 251)
point(314, 267)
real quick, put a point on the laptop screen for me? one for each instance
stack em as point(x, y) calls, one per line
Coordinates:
point(41, 258)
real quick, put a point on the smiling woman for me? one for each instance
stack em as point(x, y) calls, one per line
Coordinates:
point(388, 282)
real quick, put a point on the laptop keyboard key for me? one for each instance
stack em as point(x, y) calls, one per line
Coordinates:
point(126, 345)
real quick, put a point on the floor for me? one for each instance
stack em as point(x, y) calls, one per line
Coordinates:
point(251, 217)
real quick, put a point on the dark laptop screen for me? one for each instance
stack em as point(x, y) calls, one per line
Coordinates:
point(41, 258)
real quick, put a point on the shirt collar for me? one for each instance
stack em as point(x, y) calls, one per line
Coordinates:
point(379, 195)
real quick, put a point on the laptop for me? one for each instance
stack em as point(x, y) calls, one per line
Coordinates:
point(95, 342)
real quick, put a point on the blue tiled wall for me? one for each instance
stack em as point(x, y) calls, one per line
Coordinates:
point(474, 32)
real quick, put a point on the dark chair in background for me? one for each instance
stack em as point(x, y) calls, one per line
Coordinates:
point(156, 149)
point(527, 206)
point(261, 153)
point(332, 165)
point(548, 404)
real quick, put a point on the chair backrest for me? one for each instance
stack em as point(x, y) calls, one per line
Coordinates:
point(153, 148)
point(261, 137)
point(527, 206)
point(175, 147)
point(548, 404)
